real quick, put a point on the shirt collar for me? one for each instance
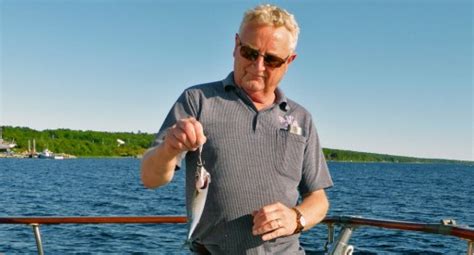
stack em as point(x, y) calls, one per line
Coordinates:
point(281, 99)
point(229, 83)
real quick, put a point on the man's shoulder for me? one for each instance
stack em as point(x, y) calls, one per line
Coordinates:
point(210, 87)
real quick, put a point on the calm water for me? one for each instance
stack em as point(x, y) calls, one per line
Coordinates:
point(100, 187)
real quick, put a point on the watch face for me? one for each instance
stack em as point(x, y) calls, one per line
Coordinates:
point(302, 221)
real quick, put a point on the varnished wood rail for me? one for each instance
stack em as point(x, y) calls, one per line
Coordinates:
point(452, 230)
point(463, 232)
point(94, 220)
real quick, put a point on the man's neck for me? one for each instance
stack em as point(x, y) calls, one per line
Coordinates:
point(262, 100)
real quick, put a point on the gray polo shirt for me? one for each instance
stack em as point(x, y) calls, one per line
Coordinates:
point(255, 158)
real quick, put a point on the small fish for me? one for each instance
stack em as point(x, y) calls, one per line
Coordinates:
point(203, 178)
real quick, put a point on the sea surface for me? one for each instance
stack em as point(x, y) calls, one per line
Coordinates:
point(108, 187)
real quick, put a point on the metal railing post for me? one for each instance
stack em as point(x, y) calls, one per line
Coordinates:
point(330, 239)
point(342, 247)
point(39, 244)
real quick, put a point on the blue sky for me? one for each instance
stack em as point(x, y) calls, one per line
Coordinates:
point(378, 76)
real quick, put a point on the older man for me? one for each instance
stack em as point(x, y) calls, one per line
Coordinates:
point(260, 148)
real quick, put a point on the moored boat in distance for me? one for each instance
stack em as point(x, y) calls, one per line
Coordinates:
point(4, 145)
point(47, 154)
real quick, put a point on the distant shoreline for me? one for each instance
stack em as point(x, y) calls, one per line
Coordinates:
point(454, 162)
point(460, 162)
point(329, 161)
point(97, 144)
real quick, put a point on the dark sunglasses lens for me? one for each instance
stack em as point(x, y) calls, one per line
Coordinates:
point(252, 55)
point(273, 61)
point(248, 53)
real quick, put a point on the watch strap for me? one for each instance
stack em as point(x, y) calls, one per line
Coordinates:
point(299, 226)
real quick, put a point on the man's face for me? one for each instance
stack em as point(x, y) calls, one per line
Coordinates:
point(255, 76)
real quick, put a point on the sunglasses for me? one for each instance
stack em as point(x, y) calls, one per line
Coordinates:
point(269, 60)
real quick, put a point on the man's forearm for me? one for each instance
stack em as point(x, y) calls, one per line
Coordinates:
point(314, 208)
point(157, 167)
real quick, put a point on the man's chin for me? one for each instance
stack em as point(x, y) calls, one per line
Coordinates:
point(253, 86)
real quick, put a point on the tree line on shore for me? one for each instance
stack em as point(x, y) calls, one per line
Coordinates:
point(129, 144)
point(80, 143)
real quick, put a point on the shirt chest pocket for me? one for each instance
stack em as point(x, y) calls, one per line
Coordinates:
point(291, 148)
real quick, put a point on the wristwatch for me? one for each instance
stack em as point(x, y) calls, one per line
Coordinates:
point(300, 221)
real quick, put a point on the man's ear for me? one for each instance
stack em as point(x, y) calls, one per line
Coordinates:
point(236, 44)
point(291, 58)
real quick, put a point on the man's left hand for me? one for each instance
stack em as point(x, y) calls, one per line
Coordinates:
point(273, 221)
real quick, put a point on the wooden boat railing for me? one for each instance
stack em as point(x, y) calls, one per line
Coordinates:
point(346, 223)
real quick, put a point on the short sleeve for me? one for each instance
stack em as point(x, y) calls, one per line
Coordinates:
point(184, 107)
point(315, 169)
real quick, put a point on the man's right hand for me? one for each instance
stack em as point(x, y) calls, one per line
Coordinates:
point(186, 135)
point(158, 163)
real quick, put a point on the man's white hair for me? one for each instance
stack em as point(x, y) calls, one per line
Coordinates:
point(272, 15)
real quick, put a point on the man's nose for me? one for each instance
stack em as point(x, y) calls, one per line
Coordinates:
point(259, 63)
